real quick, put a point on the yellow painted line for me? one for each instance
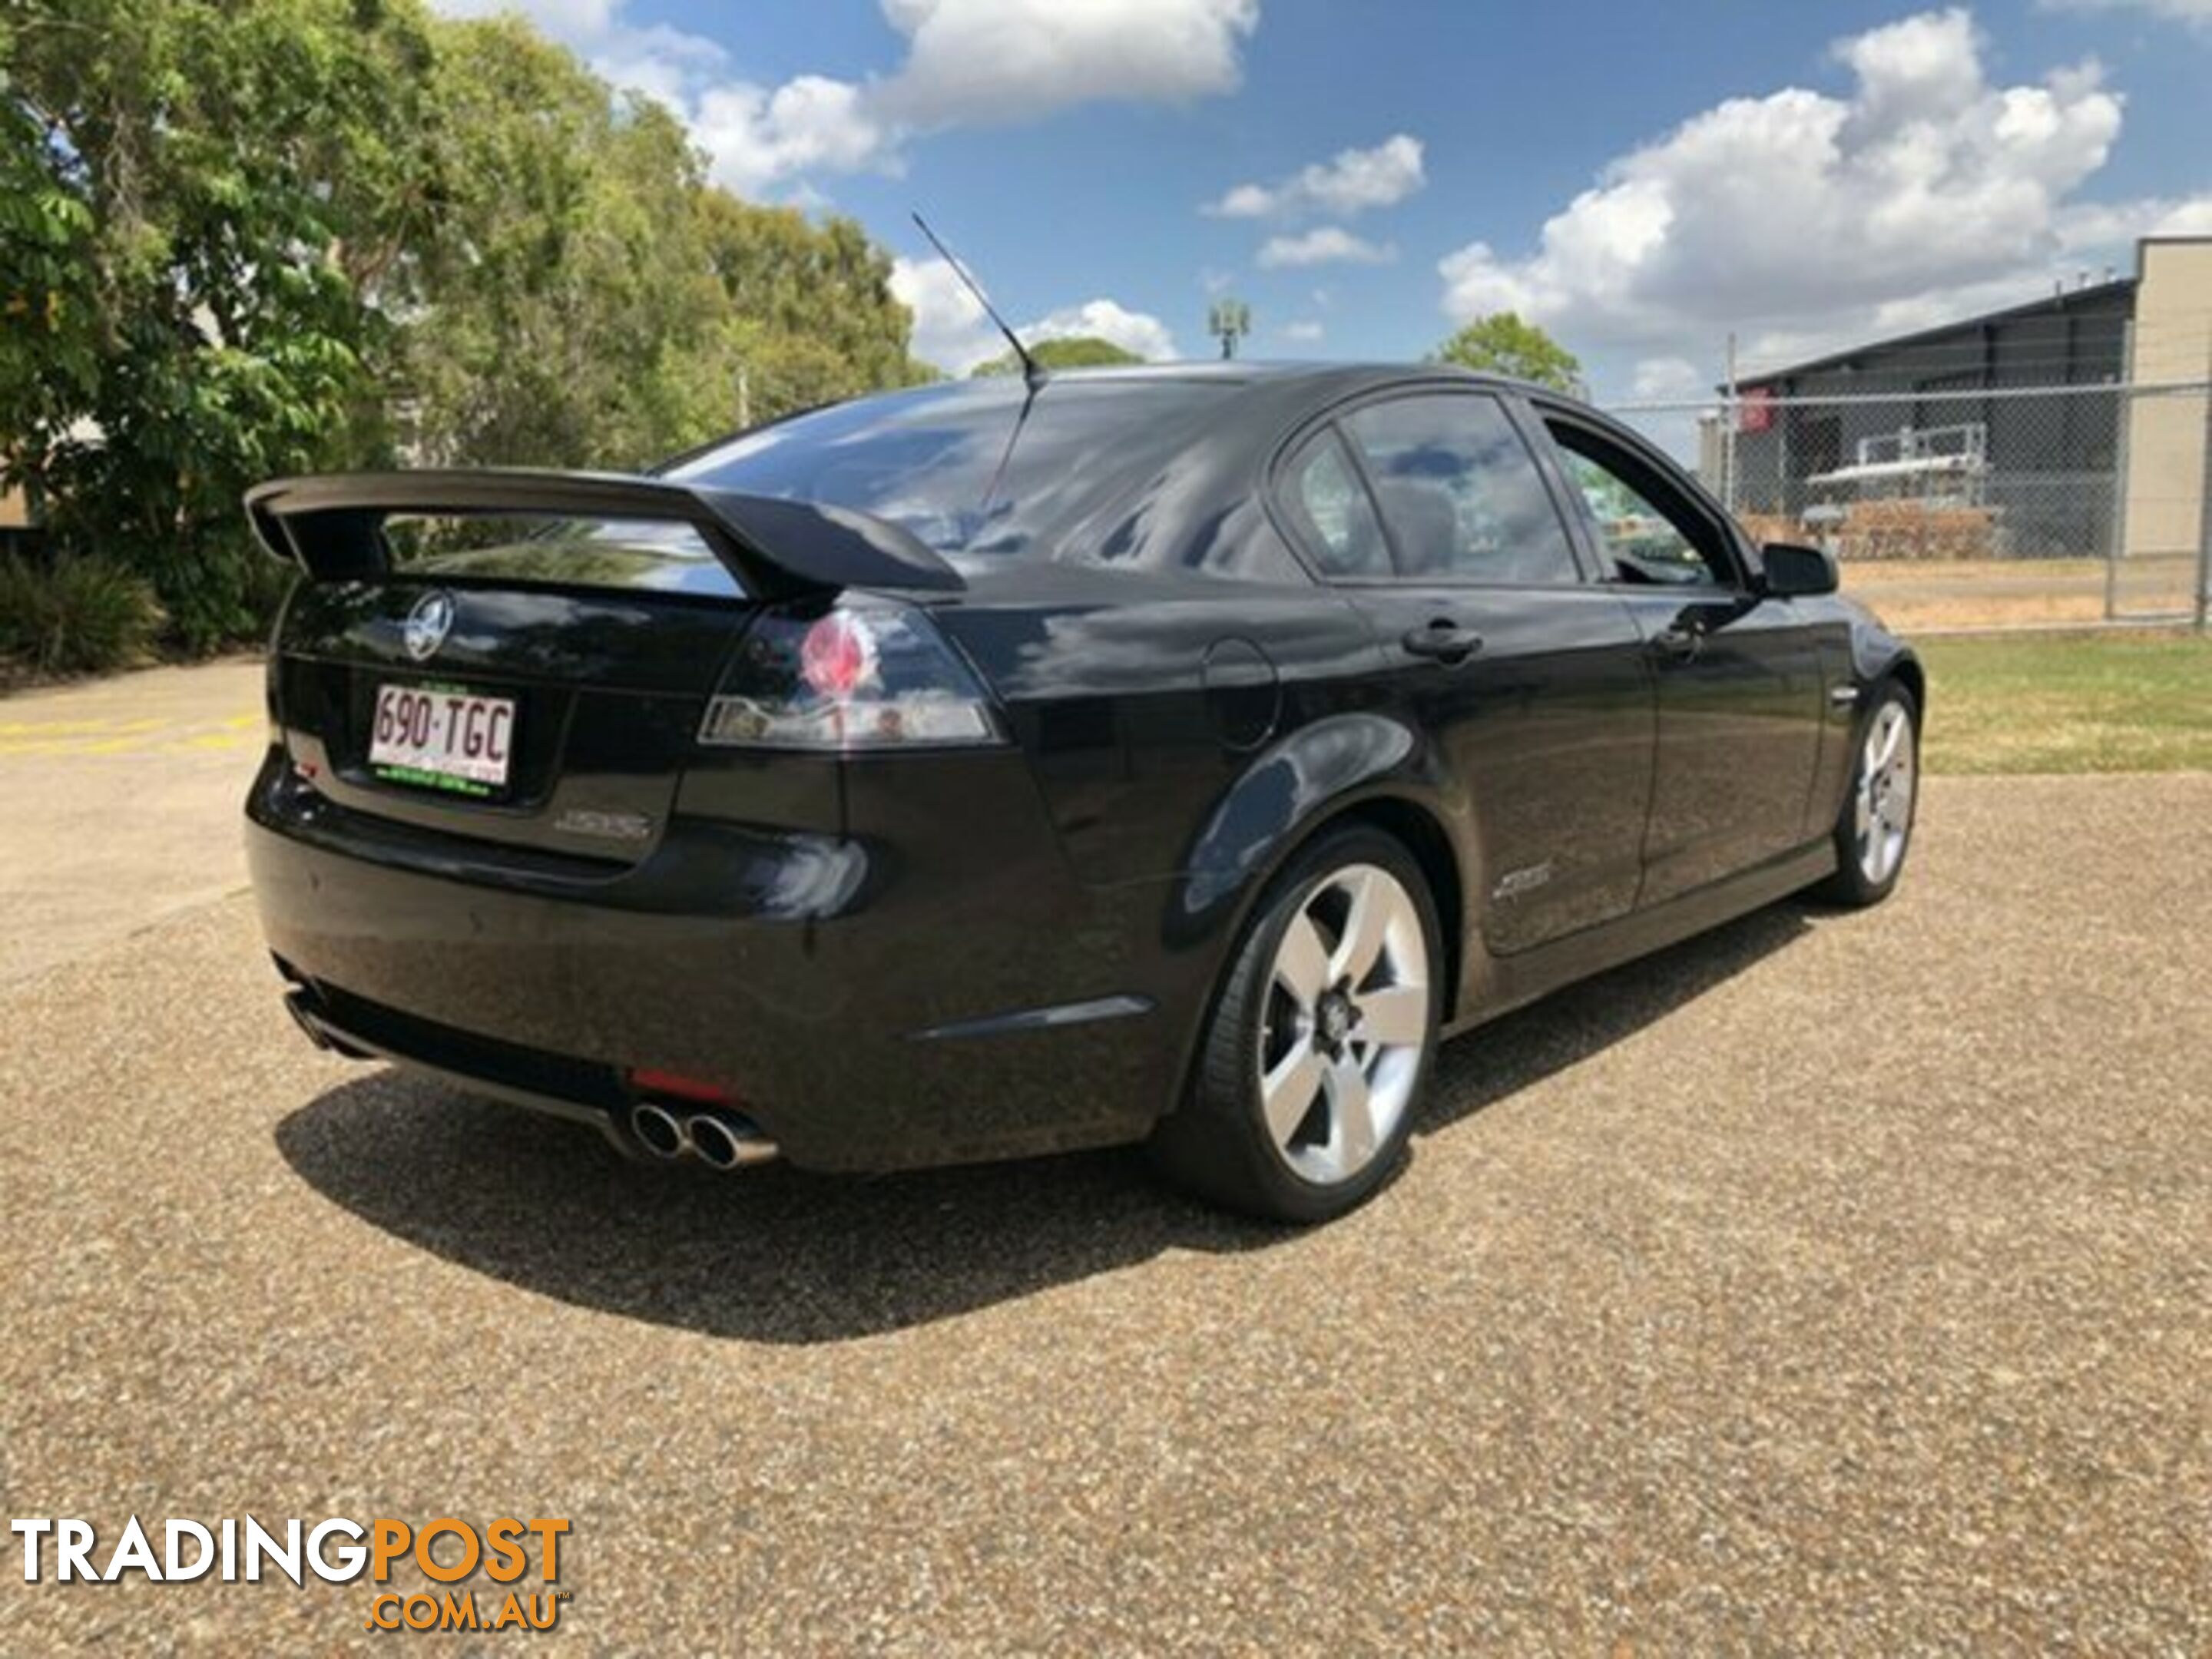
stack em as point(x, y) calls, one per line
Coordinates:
point(125, 737)
point(76, 728)
point(70, 746)
point(136, 744)
point(211, 740)
point(112, 747)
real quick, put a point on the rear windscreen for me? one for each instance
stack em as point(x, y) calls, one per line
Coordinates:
point(640, 555)
point(970, 467)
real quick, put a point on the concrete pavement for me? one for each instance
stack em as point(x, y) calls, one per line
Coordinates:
point(1833, 1283)
point(118, 805)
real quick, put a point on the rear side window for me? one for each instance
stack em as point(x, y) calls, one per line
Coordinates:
point(1335, 517)
point(1460, 493)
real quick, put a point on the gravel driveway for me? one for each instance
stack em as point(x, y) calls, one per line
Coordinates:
point(1831, 1282)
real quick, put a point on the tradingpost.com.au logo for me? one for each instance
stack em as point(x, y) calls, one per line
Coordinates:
point(447, 1551)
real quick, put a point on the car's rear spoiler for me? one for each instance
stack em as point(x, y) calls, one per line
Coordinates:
point(333, 524)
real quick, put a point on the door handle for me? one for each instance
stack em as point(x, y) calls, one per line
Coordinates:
point(1441, 639)
point(1681, 641)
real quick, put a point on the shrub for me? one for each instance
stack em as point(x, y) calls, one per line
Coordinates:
point(76, 616)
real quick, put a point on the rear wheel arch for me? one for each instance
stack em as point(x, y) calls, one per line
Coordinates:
point(1219, 1138)
point(1420, 831)
point(1416, 826)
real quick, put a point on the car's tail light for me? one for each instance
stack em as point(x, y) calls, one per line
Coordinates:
point(866, 673)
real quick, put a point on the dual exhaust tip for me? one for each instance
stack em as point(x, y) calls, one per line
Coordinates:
point(722, 1140)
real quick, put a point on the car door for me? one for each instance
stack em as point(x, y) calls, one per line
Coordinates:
point(1429, 512)
point(1739, 674)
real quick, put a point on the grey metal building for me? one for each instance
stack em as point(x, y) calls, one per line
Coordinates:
point(1999, 415)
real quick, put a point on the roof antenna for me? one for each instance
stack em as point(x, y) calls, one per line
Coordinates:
point(1033, 372)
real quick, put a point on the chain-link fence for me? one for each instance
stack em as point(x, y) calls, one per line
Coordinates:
point(1974, 506)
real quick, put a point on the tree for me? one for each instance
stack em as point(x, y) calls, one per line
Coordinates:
point(1077, 351)
point(243, 240)
point(199, 201)
point(561, 303)
point(811, 312)
point(1501, 343)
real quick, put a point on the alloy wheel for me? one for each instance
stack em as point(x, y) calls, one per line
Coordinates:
point(1882, 817)
point(1345, 1023)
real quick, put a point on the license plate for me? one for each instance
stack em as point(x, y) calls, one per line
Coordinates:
point(442, 740)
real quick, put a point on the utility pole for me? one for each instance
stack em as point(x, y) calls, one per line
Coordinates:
point(2116, 539)
point(1228, 321)
point(2205, 507)
point(1727, 435)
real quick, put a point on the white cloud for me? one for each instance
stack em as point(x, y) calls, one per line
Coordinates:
point(1799, 215)
point(754, 137)
point(1132, 331)
point(2190, 218)
point(660, 61)
point(951, 330)
point(1305, 331)
point(1349, 182)
point(968, 63)
point(987, 61)
point(1668, 379)
point(1323, 244)
point(2091, 225)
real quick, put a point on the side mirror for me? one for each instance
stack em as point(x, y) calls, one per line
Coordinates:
point(1794, 572)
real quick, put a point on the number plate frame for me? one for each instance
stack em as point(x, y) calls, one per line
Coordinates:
point(455, 739)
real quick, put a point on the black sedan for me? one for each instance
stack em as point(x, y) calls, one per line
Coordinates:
point(1171, 756)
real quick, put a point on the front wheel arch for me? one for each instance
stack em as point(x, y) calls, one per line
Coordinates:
point(1907, 673)
point(1849, 885)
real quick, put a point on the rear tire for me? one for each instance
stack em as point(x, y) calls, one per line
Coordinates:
point(1874, 831)
point(1317, 1053)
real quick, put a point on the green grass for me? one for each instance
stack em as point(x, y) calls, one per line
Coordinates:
point(2069, 702)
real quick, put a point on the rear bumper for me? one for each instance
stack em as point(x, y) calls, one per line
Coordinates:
point(360, 1031)
point(956, 997)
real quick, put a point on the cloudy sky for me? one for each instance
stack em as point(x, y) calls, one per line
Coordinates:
point(1367, 173)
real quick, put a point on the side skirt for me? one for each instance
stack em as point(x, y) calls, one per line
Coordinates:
point(1514, 981)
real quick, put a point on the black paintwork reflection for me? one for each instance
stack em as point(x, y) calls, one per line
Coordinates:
point(1544, 733)
point(1285, 788)
point(1739, 734)
point(1243, 694)
point(610, 687)
point(1111, 704)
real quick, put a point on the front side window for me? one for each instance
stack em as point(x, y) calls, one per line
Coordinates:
point(1461, 493)
point(1640, 539)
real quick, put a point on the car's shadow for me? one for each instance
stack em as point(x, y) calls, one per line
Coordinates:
point(775, 1255)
